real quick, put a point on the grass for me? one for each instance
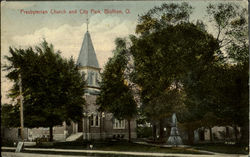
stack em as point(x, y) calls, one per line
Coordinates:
point(107, 146)
point(133, 147)
point(223, 148)
point(120, 146)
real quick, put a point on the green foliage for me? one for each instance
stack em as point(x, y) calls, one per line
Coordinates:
point(181, 68)
point(53, 88)
point(116, 96)
point(10, 115)
point(233, 90)
point(163, 16)
point(163, 61)
point(144, 132)
point(232, 29)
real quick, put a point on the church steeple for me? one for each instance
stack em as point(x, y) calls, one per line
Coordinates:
point(88, 64)
point(87, 55)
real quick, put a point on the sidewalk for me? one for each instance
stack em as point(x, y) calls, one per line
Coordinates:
point(101, 153)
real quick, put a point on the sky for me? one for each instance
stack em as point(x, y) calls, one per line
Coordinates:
point(66, 31)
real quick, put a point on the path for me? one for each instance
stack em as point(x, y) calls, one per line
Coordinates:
point(99, 152)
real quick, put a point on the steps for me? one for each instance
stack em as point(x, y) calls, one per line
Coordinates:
point(75, 136)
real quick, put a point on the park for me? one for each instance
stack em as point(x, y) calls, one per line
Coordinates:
point(176, 87)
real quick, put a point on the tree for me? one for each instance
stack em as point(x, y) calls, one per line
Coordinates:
point(197, 65)
point(53, 88)
point(232, 33)
point(180, 62)
point(116, 96)
point(160, 17)
point(165, 59)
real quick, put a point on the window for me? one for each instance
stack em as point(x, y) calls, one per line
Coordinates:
point(93, 74)
point(119, 124)
point(19, 132)
point(96, 78)
point(94, 120)
point(97, 120)
point(90, 78)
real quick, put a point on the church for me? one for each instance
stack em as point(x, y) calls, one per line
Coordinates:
point(94, 125)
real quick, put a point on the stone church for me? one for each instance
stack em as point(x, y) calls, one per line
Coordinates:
point(94, 125)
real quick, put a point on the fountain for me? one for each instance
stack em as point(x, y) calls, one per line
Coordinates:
point(174, 138)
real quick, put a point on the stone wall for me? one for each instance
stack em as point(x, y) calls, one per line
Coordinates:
point(12, 134)
point(59, 133)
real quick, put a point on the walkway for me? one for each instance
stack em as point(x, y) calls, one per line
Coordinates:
point(99, 152)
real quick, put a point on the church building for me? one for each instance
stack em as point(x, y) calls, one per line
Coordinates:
point(96, 125)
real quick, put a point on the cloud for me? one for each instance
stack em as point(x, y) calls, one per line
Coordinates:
point(68, 39)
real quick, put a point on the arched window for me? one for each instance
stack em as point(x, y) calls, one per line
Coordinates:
point(90, 78)
point(95, 120)
point(96, 78)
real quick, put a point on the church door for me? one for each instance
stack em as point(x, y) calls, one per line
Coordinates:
point(80, 127)
point(201, 135)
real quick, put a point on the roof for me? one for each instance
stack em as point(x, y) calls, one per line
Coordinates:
point(87, 55)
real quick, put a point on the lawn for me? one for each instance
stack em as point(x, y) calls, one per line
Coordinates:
point(223, 148)
point(133, 147)
point(120, 146)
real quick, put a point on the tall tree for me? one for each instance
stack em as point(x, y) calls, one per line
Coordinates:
point(53, 88)
point(232, 33)
point(215, 90)
point(116, 96)
point(159, 19)
point(165, 59)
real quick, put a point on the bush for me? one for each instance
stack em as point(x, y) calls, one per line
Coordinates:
point(144, 132)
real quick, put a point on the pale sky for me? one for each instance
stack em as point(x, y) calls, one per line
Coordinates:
point(66, 31)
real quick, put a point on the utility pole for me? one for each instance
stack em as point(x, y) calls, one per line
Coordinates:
point(21, 105)
point(87, 24)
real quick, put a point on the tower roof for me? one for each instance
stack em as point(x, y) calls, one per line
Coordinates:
point(87, 55)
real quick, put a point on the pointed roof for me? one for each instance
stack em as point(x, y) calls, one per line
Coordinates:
point(87, 55)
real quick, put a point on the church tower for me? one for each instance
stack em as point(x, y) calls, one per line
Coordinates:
point(88, 65)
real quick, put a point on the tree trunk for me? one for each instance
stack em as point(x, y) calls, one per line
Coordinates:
point(161, 129)
point(168, 131)
point(211, 134)
point(190, 136)
point(101, 127)
point(51, 133)
point(236, 133)
point(154, 132)
point(129, 131)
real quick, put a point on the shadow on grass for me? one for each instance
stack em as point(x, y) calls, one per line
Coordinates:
point(223, 148)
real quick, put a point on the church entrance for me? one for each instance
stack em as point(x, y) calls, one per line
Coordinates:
point(79, 126)
point(201, 135)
